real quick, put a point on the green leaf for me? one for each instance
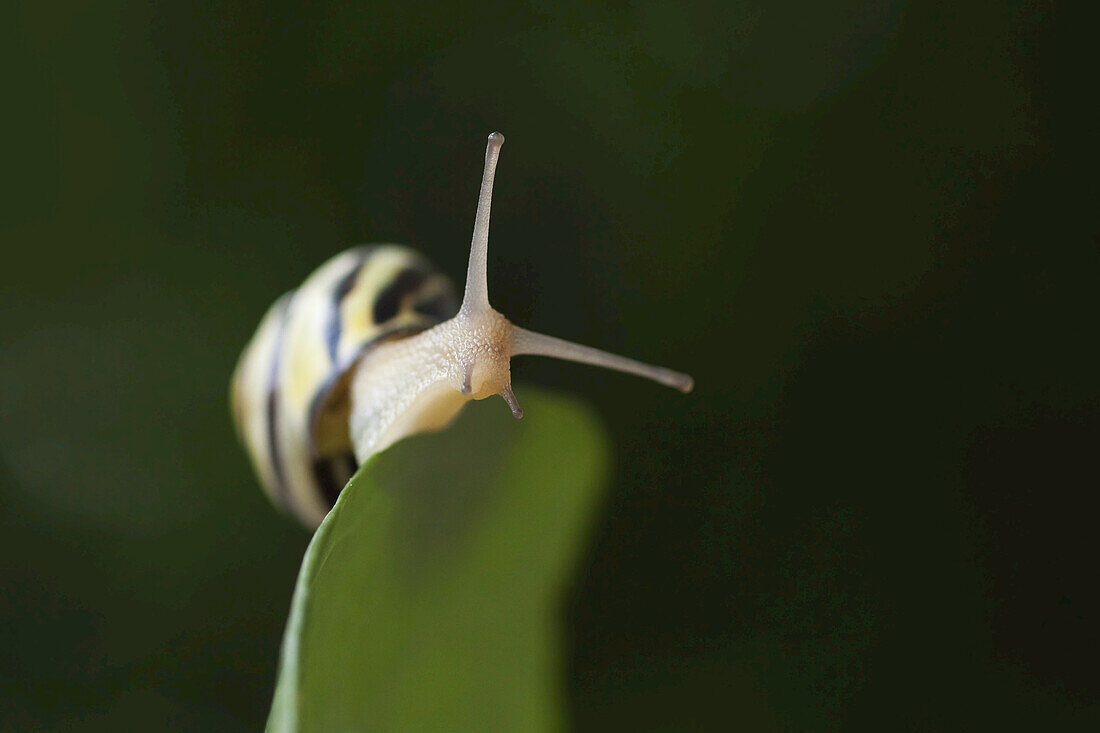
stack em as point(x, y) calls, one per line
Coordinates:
point(430, 597)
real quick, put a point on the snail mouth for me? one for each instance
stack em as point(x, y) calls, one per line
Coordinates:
point(505, 392)
point(483, 375)
point(485, 390)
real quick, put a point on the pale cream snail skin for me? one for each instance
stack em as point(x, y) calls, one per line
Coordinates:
point(409, 369)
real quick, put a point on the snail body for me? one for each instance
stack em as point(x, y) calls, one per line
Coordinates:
point(374, 347)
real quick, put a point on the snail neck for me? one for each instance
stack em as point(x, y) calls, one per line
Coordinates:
point(420, 382)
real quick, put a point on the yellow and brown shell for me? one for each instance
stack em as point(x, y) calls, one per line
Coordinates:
point(290, 388)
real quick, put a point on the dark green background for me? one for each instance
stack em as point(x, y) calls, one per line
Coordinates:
point(867, 229)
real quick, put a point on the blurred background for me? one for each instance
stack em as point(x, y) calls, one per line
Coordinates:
point(868, 229)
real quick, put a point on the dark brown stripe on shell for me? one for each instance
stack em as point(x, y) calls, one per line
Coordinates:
point(343, 286)
point(277, 469)
point(440, 308)
point(333, 474)
point(388, 302)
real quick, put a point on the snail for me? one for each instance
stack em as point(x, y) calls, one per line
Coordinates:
point(373, 347)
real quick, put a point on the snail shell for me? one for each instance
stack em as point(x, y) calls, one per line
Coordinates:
point(290, 391)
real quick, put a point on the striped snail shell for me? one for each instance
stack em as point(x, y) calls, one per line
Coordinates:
point(373, 347)
point(290, 390)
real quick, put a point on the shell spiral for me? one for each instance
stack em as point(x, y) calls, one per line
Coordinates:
point(290, 388)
